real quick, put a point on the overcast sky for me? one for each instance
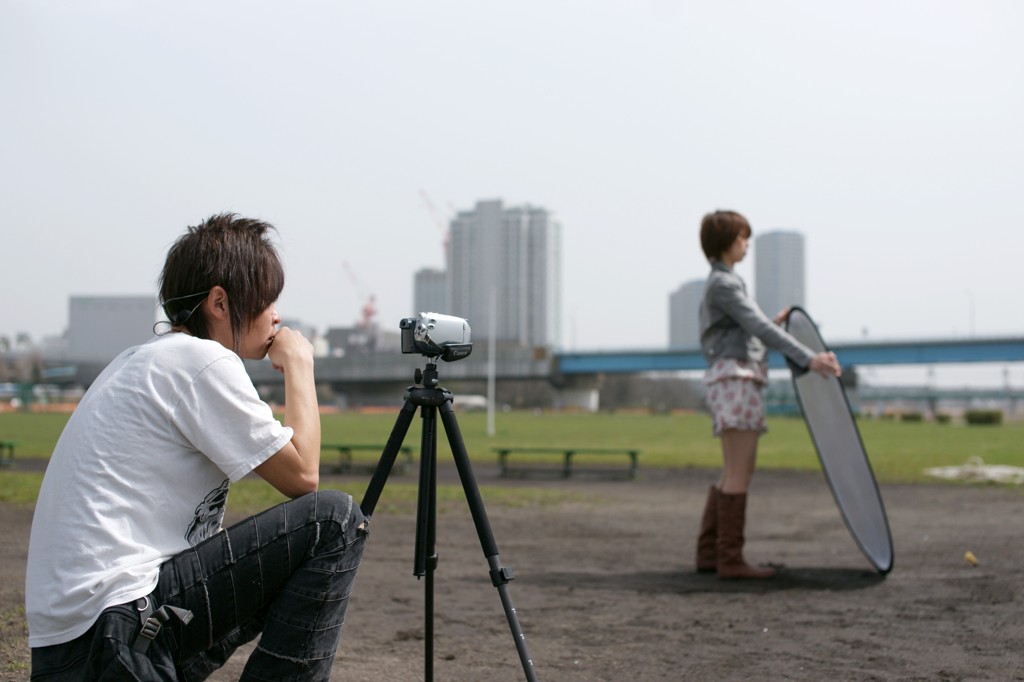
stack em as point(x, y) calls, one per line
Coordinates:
point(889, 133)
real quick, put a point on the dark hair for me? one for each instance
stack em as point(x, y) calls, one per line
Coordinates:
point(229, 251)
point(719, 230)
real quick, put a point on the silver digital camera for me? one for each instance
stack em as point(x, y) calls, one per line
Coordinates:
point(436, 336)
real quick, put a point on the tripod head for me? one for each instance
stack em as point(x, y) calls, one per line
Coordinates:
point(428, 377)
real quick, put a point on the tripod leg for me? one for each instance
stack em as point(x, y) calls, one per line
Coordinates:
point(426, 501)
point(426, 530)
point(387, 458)
point(500, 575)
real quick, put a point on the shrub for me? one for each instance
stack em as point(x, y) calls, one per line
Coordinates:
point(911, 417)
point(980, 417)
point(943, 417)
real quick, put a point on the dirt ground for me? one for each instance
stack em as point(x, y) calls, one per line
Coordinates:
point(605, 588)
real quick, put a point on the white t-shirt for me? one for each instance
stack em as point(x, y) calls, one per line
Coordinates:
point(140, 473)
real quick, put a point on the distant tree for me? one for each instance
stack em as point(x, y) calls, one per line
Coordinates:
point(850, 377)
point(630, 391)
point(26, 368)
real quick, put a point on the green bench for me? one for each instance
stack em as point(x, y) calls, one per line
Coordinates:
point(345, 464)
point(7, 453)
point(567, 455)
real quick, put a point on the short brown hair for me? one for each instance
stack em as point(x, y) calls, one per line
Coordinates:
point(225, 250)
point(719, 230)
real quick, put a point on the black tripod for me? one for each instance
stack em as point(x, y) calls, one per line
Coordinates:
point(430, 398)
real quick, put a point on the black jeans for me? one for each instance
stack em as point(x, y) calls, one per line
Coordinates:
point(287, 572)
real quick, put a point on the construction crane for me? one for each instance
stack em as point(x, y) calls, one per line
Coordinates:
point(439, 222)
point(369, 309)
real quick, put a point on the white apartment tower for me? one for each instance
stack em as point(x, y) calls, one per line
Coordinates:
point(779, 270)
point(683, 311)
point(507, 262)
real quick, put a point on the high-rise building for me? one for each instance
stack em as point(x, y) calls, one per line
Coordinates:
point(779, 270)
point(100, 327)
point(430, 291)
point(683, 311)
point(507, 263)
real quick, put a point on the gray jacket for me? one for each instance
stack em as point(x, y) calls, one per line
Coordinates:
point(733, 326)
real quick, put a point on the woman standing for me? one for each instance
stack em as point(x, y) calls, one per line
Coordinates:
point(733, 333)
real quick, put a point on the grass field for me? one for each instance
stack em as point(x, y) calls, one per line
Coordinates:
point(899, 451)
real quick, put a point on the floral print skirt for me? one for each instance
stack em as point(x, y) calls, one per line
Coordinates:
point(734, 395)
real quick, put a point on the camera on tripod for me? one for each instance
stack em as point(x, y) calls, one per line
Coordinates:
point(436, 336)
point(446, 337)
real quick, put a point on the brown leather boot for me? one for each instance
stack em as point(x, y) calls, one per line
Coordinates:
point(732, 516)
point(707, 541)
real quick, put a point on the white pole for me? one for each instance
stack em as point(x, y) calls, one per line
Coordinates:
point(492, 361)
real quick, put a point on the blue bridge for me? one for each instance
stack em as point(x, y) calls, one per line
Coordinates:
point(935, 351)
point(376, 378)
point(562, 367)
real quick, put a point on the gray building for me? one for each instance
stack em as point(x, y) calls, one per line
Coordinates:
point(100, 327)
point(349, 341)
point(507, 262)
point(683, 310)
point(779, 270)
point(430, 291)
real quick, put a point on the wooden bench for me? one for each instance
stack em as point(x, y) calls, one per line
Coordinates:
point(346, 465)
point(7, 453)
point(567, 455)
